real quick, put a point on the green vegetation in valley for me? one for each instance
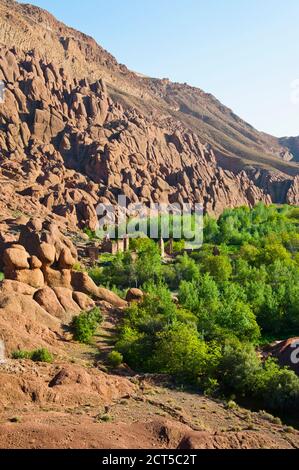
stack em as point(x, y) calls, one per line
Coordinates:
point(238, 290)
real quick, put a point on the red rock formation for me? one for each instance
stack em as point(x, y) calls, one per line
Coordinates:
point(66, 145)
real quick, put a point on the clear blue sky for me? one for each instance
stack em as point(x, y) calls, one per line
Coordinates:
point(245, 52)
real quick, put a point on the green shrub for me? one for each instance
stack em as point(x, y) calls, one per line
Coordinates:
point(270, 418)
point(85, 325)
point(96, 275)
point(115, 359)
point(238, 369)
point(278, 388)
point(180, 352)
point(90, 233)
point(79, 267)
point(39, 355)
point(21, 355)
point(42, 355)
point(231, 405)
point(105, 418)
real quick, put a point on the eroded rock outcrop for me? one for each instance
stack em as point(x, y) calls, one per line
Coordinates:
point(66, 146)
point(40, 265)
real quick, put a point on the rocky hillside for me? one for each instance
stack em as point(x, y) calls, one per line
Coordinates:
point(292, 143)
point(77, 128)
point(78, 400)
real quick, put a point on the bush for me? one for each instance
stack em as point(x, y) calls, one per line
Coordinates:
point(278, 387)
point(180, 352)
point(42, 355)
point(39, 355)
point(242, 372)
point(186, 268)
point(96, 274)
point(79, 267)
point(238, 369)
point(231, 405)
point(105, 418)
point(115, 359)
point(85, 325)
point(21, 355)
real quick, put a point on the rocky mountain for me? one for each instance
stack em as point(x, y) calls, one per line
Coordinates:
point(292, 143)
point(77, 128)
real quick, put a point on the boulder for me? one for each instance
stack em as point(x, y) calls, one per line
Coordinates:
point(81, 282)
point(66, 259)
point(16, 258)
point(52, 235)
point(29, 236)
point(47, 253)
point(33, 277)
point(55, 278)
point(35, 263)
point(26, 325)
point(73, 379)
point(286, 352)
point(85, 303)
point(111, 298)
point(65, 297)
point(48, 300)
point(17, 246)
point(134, 295)
point(8, 286)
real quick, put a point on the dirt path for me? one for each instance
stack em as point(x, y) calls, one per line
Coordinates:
point(96, 353)
point(107, 337)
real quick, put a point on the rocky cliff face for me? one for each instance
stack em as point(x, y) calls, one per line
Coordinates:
point(68, 142)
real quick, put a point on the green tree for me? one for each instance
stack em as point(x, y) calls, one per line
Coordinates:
point(238, 368)
point(211, 230)
point(181, 353)
point(186, 268)
point(277, 387)
point(148, 264)
point(219, 267)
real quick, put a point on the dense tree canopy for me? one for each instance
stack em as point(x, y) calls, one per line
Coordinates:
point(239, 290)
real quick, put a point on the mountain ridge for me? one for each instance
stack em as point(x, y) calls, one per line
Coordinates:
point(145, 87)
point(110, 130)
